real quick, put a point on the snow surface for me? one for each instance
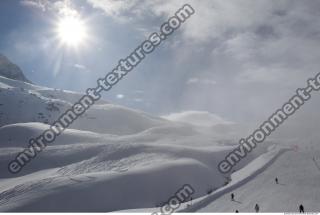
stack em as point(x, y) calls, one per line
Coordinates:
point(115, 158)
point(198, 118)
point(299, 183)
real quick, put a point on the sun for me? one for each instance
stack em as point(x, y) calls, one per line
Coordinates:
point(71, 31)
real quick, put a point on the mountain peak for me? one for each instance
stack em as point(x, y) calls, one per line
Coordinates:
point(11, 70)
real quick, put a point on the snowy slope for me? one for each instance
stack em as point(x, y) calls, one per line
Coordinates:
point(299, 183)
point(198, 118)
point(123, 172)
point(115, 158)
point(106, 172)
point(22, 102)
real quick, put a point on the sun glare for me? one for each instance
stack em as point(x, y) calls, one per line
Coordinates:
point(72, 31)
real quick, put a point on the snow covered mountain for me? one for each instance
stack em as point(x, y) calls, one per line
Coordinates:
point(10, 70)
point(23, 102)
point(112, 158)
point(115, 158)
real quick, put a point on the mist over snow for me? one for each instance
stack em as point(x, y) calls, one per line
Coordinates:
point(198, 118)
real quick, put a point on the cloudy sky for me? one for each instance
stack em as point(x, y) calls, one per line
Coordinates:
point(238, 59)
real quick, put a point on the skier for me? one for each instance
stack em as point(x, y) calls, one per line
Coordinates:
point(257, 208)
point(301, 209)
point(277, 181)
point(232, 197)
point(237, 211)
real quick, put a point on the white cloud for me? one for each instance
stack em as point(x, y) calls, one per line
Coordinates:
point(112, 7)
point(120, 96)
point(265, 75)
point(62, 7)
point(254, 39)
point(201, 81)
point(138, 100)
point(81, 67)
point(41, 4)
point(212, 18)
point(115, 8)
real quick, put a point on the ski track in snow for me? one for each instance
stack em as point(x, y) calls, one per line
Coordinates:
point(238, 178)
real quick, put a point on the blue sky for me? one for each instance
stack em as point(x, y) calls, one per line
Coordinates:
point(237, 60)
